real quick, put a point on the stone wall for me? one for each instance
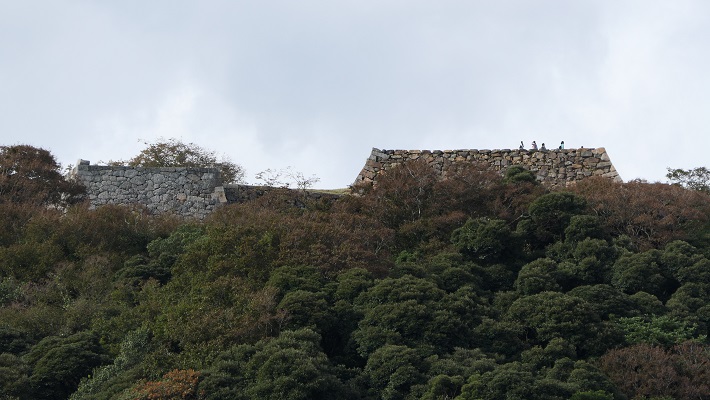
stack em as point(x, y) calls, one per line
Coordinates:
point(187, 192)
point(190, 192)
point(552, 167)
point(196, 192)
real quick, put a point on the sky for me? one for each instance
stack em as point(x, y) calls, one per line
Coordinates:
point(316, 84)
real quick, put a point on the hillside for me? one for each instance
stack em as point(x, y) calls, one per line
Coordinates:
point(479, 286)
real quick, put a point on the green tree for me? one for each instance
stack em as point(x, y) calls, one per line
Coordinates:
point(392, 370)
point(691, 302)
point(513, 381)
point(516, 174)
point(301, 277)
point(588, 377)
point(414, 312)
point(538, 276)
point(484, 240)
point(549, 216)
point(14, 374)
point(548, 315)
point(108, 381)
point(656, 330)
point(289, 367)
point(606, 300)
point(645, 272)
point(592, 395)
point(695, 179)
point(583, 227)
point(305, 309)
point(448, 372)
point(58, 364)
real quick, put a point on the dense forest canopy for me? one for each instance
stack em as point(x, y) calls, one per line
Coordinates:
point(479, 286)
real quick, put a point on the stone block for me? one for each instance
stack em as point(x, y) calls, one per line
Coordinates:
point(380, 155)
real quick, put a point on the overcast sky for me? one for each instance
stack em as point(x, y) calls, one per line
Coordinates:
point(315, 84)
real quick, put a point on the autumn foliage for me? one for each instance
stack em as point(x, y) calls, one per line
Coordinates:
point(31, 175)
point(645, 371)
point(175, 385)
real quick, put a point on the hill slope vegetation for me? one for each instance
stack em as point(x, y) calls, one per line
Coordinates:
point(476, 287)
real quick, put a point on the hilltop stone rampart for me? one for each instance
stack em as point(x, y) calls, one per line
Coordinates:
point(196, 192)
point(186, 192)
point(192, 192)
point(551, 167)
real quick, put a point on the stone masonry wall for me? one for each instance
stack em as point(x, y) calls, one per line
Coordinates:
point(552, 167)
point(189, 192)
point(196, 192)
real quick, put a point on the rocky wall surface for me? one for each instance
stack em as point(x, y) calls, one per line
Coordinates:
point(188, 192)
point(551, 167)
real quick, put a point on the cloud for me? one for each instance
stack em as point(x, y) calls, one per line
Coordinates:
point(316, 84)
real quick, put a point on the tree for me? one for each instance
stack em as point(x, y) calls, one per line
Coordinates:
point(174, 153)
point(175, 385)
point(517, 173)
point(284, 177)
point(642, 371)
point(605, 300)
point(31, 175)
point(107, 381)
point(554, 211)
point(656, 330)
point(397, 311)
point(695, 179)
point(549, 315)
point(305, 309)
point(586, 262)
point(642, 272)
point(651, 214)
point(289, 367)
point(470, 188)
point(538, 276)
point(584, 227)
point(592, 395)
point(58, 364)
point(404, 193)
point(549, 215)
point(391, 371)
point(484, 240)
point(512, 381)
